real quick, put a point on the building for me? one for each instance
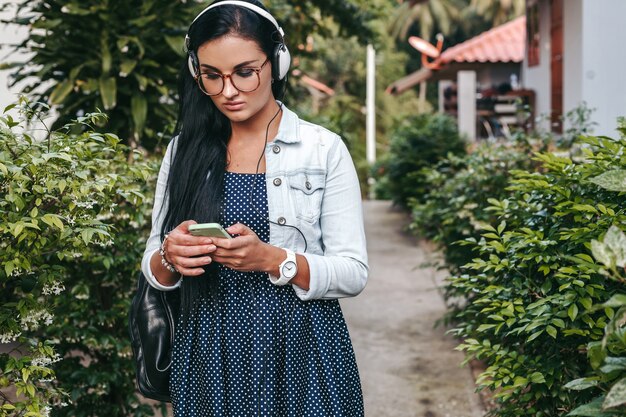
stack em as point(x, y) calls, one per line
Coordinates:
point(483, 74)
point(575, 53)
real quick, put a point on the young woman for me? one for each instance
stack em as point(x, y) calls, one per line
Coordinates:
point(261, 330)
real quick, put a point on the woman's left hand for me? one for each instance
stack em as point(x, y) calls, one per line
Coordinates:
point(244, 253)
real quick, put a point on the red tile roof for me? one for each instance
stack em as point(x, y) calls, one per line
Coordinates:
point(504, 43)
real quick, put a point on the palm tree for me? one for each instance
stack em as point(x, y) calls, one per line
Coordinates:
point(498, 11)
point(444, 15)
point(430, 15)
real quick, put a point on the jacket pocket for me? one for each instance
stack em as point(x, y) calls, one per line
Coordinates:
point(307, 191)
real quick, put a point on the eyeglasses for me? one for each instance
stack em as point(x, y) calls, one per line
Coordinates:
point(245, 80)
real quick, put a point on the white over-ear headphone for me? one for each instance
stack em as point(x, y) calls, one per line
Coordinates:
point(281, 60)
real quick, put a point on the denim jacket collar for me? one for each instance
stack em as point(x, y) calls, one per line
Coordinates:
point(288, 131)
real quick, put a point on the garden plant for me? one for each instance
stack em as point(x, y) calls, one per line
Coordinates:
point(538, 297)
point(418, 142)
point(73, 215)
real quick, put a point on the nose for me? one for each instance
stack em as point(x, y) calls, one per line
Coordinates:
point(229, 88)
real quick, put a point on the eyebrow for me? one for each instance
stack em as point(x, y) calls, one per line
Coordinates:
point(243, 64)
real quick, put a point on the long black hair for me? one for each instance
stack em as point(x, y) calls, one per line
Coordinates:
point(195, 184)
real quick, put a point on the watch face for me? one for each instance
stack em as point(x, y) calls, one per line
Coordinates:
point(290, 269)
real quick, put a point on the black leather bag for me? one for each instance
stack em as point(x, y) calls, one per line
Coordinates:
point(152, 321)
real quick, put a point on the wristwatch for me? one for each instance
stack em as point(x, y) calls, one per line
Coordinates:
point(288, 269)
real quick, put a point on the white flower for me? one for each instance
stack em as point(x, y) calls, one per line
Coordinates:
point(55, 288)
point(9, 337)
point(34, 317)
point(45, 360)
point(16, 272)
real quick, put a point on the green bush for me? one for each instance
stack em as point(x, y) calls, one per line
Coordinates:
point(608, 357)
point(419, 142)
point(73, 215)
point(459, 190)
point(531, 303)
point(533, 289)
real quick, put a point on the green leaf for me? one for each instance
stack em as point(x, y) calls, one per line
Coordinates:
point(61, 91)
point(611, 180)
point(139, 110)
point(587, 303)
point(615, 240)
point(551, 331)
point(501, 227)
point(617, 395)
point(585, 207)
point(87, 235)
point(143, 81)
point(592, 409)
point(520, 381)
point(106, 54)
point(612, 364)
point(534, 336)
point(602, 253)
point(8, 268)
point(596, 354)
point(53, 220)
point(127, 66)
point(108, 92)
point(176, 43)
point(584, 257)
point(537, 378)
point(572, 311)
point(18, 229)
point(618, 300)
point(582, 384)
point(484, 327)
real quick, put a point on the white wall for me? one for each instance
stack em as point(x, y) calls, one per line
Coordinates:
point(537, 78)
point(8, 34)
point(594, 62)
point(604, 62)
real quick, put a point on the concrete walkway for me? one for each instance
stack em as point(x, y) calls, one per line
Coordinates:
point(408, 368)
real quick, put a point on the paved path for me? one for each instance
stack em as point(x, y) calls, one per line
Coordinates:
point(408, 368)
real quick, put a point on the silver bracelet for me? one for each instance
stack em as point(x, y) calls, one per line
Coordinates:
point(164, 261)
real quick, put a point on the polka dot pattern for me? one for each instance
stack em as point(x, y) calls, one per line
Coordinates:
point(259, 350)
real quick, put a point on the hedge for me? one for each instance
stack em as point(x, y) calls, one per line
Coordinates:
point(536, 307)
point(73, 215)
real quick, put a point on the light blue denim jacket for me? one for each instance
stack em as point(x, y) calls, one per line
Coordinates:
point(311, 184)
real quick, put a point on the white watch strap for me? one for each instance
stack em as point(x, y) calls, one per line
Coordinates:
point(282, 279)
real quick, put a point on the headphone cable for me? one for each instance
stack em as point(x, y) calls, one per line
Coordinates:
point(280, 109)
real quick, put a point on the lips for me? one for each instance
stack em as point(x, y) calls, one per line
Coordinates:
point(234, 105)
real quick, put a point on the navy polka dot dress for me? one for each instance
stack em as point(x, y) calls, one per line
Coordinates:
point(260, 350)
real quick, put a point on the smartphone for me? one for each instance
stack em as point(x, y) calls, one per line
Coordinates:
point(209, 229)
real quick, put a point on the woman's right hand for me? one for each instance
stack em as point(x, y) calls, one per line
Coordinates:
point(186, 252)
